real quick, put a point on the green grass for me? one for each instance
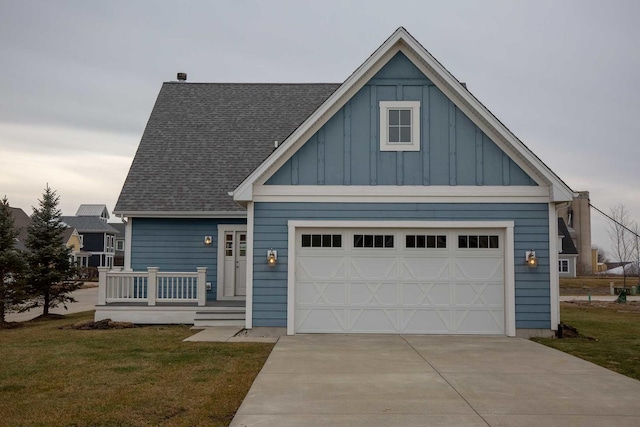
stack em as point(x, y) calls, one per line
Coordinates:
point(125, 377)
point(596, 285)
point(617, 330)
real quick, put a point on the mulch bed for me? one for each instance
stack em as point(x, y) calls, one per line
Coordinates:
point(99, 325)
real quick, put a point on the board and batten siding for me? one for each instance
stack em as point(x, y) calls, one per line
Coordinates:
point(453, 150)
point(177, 244)
point(531, 231)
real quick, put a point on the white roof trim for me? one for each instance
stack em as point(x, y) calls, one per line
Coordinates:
point(181, 214)
point(401, 40)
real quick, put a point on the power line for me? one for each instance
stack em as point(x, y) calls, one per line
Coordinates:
point(617, 222)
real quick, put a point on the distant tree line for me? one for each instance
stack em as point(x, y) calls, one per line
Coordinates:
point(43, 274)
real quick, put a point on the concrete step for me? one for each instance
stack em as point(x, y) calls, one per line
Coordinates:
point(220, 316)
point(235, 314)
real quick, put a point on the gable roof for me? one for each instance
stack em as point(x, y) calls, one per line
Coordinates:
point(93, 210)
point(568, 247)
point(203, 139)
point(88, 224)
point(402, 41)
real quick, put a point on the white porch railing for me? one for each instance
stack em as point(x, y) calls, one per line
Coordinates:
point(152, 286)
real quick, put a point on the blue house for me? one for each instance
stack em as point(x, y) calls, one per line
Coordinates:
point(97, 237)
point(394, 202)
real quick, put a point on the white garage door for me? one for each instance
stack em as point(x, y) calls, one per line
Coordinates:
point(422, 281)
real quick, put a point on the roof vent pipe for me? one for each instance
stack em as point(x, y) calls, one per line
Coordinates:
point(182, 77)
point(275, 144)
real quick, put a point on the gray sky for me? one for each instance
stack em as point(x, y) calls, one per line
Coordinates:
point(78, 79)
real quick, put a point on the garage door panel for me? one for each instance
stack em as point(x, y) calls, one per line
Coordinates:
point(416, 293)
point(479, 268)
point(373, 268)
point(414, 321)
point(320, 268)
point(325, 320)
point(424, 267)
point(478, 294)
point(373, 294)
point(315, 293)
point(402, 289)
point(374, 320)
point(479, 321)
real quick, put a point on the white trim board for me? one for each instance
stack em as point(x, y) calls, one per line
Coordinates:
point(181, 214)
point(509, 277)
point(402, 41)
point(401, 194)
point(554, 276)
point(223, 228)
point(249, 278)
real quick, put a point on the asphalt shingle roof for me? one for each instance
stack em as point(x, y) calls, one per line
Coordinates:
point(567, 242)
point(88, 224)
point(203, 139)
point(21, 221)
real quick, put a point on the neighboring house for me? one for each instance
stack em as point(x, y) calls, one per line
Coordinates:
point(21, 222)
point(567, 251)
point(118, 258)
point(71, 239)
point(96, 236)
point(394, 202)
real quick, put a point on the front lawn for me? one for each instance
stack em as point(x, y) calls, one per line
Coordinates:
point(134, 377)
point(594, 285)
point(616, 328)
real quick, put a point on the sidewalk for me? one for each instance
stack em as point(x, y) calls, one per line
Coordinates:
point(87, 299)
point(610, 298)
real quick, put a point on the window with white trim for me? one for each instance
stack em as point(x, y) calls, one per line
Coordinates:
point(120, 245)
point(563, 265)
point(399, 125)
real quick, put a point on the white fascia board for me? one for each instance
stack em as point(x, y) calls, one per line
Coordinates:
point(182, 214)
point(400, 194)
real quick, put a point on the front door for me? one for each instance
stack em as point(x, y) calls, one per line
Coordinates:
point(234, 266)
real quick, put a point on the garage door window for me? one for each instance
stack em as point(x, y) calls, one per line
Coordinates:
point(478, 242)
point(372, 241)
point(420, 241)
point(321, 241)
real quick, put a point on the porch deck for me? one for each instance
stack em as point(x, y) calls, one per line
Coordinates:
point(153, 297)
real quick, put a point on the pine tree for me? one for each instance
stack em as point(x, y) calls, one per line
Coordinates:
point(51, 268)
point(12, 264)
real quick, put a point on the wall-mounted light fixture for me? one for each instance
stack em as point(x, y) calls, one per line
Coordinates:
point(207, 240)
point(272, 257)
point(530, 259)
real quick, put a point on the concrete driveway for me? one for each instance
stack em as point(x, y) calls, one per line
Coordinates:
point(87, 299)
point(404, 380)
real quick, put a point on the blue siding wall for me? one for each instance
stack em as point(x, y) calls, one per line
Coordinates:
point(93, 242)
point(453, 151)
point(173, 244)
point(531, 232)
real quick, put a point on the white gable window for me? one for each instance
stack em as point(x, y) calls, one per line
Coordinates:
point(399, 126)
point(563, 265)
